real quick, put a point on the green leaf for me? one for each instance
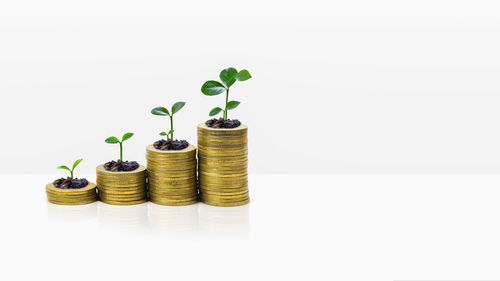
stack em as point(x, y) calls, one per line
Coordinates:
point(76, 163)
point(212, 88)
point(163, 134)
point(215, 111)
point(177, 106)
point(127, 136)
point(232, 104)
point(162, 111)
point(64, 168)
point(170, 132)
point(243, 75)
point(112, 140)
point(227, 76)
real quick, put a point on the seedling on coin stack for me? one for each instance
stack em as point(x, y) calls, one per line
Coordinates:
point(171, 165)
point(120, 165)
point(71, 190)
point(70, 182)
point(121, 182)
point(170, 143)
point(228, 76)
point(222, 148)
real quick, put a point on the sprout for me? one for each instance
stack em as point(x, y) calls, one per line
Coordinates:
point(212, 88)
point(71, 170)
point(113, 140)
point(162, 111)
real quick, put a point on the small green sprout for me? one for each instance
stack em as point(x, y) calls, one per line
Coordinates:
point(113, 140)
point(71, 170)
point(162, 111)
point(212, 88)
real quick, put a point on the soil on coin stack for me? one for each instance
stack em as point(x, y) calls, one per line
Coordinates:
point(121, 166)
point(67, 183)
point(221, 123)
point(170, 145)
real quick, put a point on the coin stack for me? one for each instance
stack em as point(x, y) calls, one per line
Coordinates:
point(122, 188)
point(71, 196)
point(172, 176)
point(223, 161)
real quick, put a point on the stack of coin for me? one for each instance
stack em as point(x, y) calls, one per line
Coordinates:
point(122, 188)
point(223, 161)
point(71, 196)
point(172, 176)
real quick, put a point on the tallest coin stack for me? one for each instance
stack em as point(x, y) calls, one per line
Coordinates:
point(223, 162)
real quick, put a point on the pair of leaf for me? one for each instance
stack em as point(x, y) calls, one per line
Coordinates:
point(125, 137)
point(162, 111)
point(74, 166)
point(230, 105)
point(166, 134)
point(228, 76)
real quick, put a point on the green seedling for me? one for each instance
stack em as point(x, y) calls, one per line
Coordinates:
point(212, 88)
point(71, 170)
point(113, 140)
point(162, 111)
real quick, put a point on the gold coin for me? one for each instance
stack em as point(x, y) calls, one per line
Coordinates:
point(111, 202)
point(224, 197)
point(224, 193)
point(71, 196)
point(223, 163)
point(122, 188)
point(174, 203)
point(226, 204)
point(172, 176)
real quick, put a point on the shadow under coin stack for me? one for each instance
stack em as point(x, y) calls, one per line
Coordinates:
point(71, 196)
point(122, 188)
point(223, 161)
point(172, 176)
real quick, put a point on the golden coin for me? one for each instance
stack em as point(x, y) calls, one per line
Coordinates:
point(111, 202)
point(224, 193)
point(224, 197)
point(122, 188)
point(72, 196)
point(226, 204)
point(175, 203)
point(223, 163)
point(172, 176)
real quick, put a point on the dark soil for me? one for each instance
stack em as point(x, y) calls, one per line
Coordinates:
point(66, 183)
point(171, 145)
point(121, 166)
point(221, 123)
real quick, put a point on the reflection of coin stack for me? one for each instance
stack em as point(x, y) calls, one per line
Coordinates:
point(71, 213)
point(224, 221)
point(71, 196)
point(123, 218)
point(122, 188)
point(172, 176)
point(173, 221)
point(222, 156)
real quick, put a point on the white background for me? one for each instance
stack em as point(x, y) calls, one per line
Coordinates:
point(339, 86)
point(297, 227)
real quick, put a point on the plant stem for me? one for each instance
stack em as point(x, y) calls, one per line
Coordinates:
point(71, 174)
point(225, 108)
point(121, 152)
point(172, 127)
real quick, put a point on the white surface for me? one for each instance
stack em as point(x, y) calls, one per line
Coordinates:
point(297, 227)
point(384, 86)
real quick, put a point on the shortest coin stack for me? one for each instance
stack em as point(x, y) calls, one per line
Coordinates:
point(172, 176)
point(122, 188)
point(71, 196)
